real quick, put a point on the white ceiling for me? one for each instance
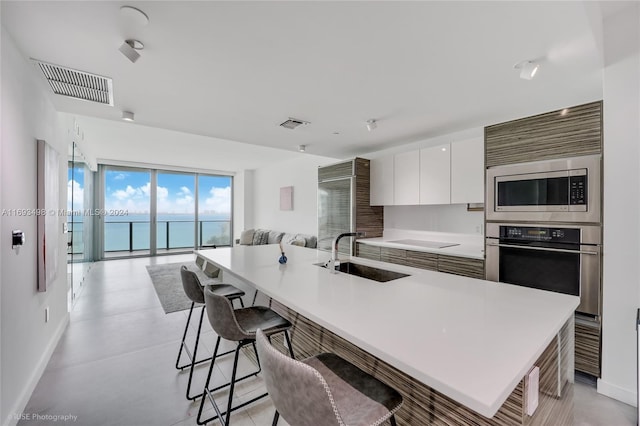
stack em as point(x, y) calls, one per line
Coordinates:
point(235, 70)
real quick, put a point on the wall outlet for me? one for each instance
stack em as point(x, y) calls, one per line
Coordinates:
point(46, 314)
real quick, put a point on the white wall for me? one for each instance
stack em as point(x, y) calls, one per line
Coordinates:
point(452, 218)
point(302, 174)
point(26, 340)
point(621, 246)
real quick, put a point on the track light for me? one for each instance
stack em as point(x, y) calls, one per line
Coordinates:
point(371, 124)
point(528, 69)
point(127, 115)
point(130, 49)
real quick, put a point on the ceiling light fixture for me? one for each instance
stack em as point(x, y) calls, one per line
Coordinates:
point(127, 115)
point(528, 69)
point(130, 49)
point(302, 148)
point(134, 15)
point(371, 124)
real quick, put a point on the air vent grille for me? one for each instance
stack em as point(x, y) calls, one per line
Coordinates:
point(77, 84)
point(292, 123)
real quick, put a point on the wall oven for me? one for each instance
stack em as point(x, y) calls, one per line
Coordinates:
point(564, 259)
point(563, 190)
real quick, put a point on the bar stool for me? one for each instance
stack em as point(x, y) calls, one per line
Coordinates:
point(194, 291)
point(336, 392)
point(238, 326)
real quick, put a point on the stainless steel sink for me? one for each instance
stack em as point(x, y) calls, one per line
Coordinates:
point(368, 272)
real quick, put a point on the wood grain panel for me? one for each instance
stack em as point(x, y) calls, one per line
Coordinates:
point(393, 255)
point(422, 404)
point(369, 219)
point(423, 260)
point(588, 348)
point(569, 132)
point(473, 268)
point(334, 171)
point(368, 251)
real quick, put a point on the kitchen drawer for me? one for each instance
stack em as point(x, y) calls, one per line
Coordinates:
point(420, 259)
point(473, 268)
point(393, 255)
point(368, 251)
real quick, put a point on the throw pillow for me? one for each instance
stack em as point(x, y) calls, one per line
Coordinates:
point(246, 237)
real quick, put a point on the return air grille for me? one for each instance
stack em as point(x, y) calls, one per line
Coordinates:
point(292, 123)
point(77, 84)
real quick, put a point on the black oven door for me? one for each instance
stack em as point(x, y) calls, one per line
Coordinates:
point(574, 271)
point(540, 267)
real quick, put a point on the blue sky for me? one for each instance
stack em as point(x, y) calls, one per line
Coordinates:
point(129, 190)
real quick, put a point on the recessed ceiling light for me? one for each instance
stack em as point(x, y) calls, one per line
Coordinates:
point(528, 69)
point(336, 133)
point(134, 15)
point(127, 116)
point(564, 111)
point(371, 124)
point(302, 148)
point(444, 149)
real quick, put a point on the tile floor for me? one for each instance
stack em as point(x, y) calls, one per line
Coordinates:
point(114, 364)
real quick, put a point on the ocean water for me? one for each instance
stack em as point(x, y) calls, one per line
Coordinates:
point(172, 231)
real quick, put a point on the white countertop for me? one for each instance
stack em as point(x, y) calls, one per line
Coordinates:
point(471, 246)
point(472, 340)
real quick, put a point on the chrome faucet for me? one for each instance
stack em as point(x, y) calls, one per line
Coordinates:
point(334, 263)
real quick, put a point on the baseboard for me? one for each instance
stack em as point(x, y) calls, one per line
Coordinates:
point(612, 391)
point(13, 417)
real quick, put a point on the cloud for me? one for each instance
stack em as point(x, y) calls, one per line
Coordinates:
point(184, 191)
point(119, 176)
point(219, 200)
point(128, 192)
point(74, 188)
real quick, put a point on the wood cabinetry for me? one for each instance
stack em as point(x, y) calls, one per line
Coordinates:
point(467, 267)
point(587, 345)
point(435, 175)
point(467, 171)
point(569, 132)
point(406, 178)
point(368, 251)
point(473, 268)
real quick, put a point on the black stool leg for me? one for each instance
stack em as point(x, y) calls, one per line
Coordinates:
point(184, 337)
point(193, 359)
point(276, 417)
point(207, 392)
point(393, 420)
point(289, 345)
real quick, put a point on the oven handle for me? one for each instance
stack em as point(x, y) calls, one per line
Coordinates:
point(544, 249)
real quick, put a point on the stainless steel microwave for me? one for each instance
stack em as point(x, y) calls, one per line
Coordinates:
point(563, 190)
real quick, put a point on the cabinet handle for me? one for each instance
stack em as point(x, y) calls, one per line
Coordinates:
point(545, 249)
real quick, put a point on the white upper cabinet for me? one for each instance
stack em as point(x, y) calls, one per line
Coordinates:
point(406, 178)
point(467, 171)
point(435, 175)
point(381, 170)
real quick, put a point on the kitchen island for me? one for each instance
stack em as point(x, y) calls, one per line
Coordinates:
point(457, 348)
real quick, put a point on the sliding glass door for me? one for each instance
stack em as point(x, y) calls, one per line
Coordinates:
point(149, 212)
point(127, 212)
point(176, 212)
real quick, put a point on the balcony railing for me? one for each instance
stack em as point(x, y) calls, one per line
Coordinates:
point(170, 234)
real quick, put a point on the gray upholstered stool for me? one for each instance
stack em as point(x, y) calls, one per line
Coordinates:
point(238, 326)
point(194, 291)
point(324, 390)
